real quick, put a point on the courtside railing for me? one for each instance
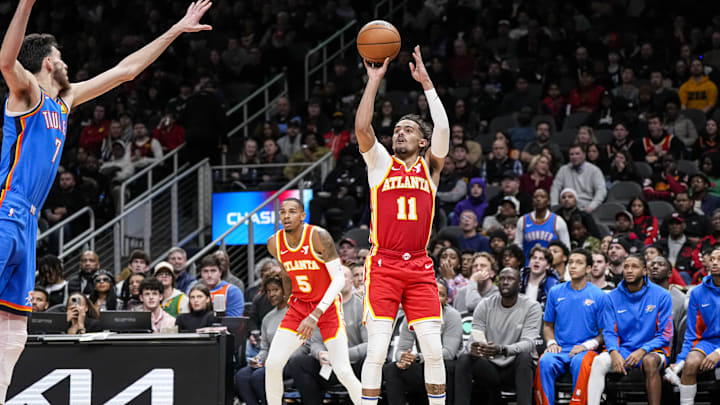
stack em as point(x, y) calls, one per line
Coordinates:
point(387, 8)
point(61, 226)
point(318, 58)
point(144, 178)
point(270, 92)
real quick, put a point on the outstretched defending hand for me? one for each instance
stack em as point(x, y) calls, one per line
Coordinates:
point(417, 69)
point(374, 72)
point(191, 21)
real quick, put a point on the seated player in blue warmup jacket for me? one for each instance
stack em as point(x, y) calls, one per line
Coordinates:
point(701, 347)
point(573, 319)
point(637, 329)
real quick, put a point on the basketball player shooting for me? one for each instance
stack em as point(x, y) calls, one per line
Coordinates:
point(40, 99)
point(310, 260)
point(402, 198)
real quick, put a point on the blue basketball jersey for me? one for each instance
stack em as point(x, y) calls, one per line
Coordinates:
point(538, 234)
point(577, 315)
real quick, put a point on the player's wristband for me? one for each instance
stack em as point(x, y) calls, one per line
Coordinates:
point(311, 316)
point(717, 350)
point(551, 342)
point(591, 344)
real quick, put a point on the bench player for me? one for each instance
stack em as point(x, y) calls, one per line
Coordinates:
point(308, 255)
point(40, 99)
point(402, 198)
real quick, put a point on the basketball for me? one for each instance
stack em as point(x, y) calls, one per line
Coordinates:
point(378, 40)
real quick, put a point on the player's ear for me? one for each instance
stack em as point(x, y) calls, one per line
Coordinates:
point(423, 143)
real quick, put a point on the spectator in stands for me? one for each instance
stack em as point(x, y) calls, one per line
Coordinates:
point(211, 273)
point(248, 177)
point(451, 189)
point(405, 376)
point(449, 270)
point(283, 115)
point(95, 131)
point(50, 279)
point(568, 208)
point(659, 142)
point(498, 240)
point(580, 238)
point(458, 137)
point(250, 380)
point(103, 296)
point(519, 97)
point(699, 91)
point(138, 262)
point(596, 157)
point(173, 301)
point(541, 226)
point(510, 187)
point(645, 225)
point(130, 296)
point(310, 151)
point(272, 178)
point(523, 133)
point(699, 350)
point(151, 296)
point(315, 121)
point(538, 175)
point(385, 119)
point(510, 227)
point(703, 201)
point(305, 369)
point(82, 281)
point(337, 138)
point(554, 104)
point(40, 300)
point(621, 141)
point(710, 166)
point(463, 167)
point(599, 272)
point(678, 125)
point(637, 332)
point(607, 113)
point(470, 238)
point(560, 253)
point(538, 277)
point(665, 180)
point(348, 251)
point(65, 199)
point(144, 150)
point(622, 168)
point(494, 169)
point(480, 284)
point(116, 134)
point(266, 130)
point(585, 178)
point(227, 275)
point(169, 133)
point(508, 209)
point(291, 141)
point(475, 201)
point(200, 312)
point(679, 247)
point(626, 94)
point(710, 239)
point(708, 142)
point(572, 326)
point(586, 97)
point(358, 278)
point(82, 317)
point(183, 279)
point(659, 273)
point(542, 140)
point(512, 256)
point(503, 357)
point(696, 226)
point(260, 303)
point(118, 167)
point(661, 94)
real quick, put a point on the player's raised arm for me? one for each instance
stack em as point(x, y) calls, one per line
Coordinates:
point(440, 141)
point(136, 62)
point(366, 109)
point(20, 81)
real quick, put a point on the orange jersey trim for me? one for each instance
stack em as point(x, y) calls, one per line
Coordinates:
point(16, 306)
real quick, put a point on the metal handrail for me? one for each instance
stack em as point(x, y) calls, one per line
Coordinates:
point(391, 9)
point(121, 217)
point(268, 104)
point(60, 226)
point(251, 245)
point(174, 154)
point(259, 165)
point(325, 58)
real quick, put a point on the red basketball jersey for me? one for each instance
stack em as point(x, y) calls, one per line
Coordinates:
point(403, 207)
point(307, 271)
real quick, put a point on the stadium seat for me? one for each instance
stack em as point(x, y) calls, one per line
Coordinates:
point(451, 233)
point(603, 229)
point(492, 191)
point(643, 169)
point(502, 123)
point(688, 167)
point(573, 121)
point(660, 209)
point(565, 139)
point(603, 136)
point(544, 117)
point(605, 212)
point(623, 191)
point(696, 116)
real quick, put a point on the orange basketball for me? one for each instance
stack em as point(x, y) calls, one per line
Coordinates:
point(378, 40)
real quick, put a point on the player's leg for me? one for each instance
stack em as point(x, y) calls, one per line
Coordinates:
point(379, 334)
point(428, 335)
point(340, 361)
point(688, 379)
point(549, 368)
point(580, 368)
point(283, 345)
point(601, 365)
point(652, 366)
point(13, 334)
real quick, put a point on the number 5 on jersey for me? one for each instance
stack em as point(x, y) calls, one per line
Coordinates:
point(409, 213)
point(303, 284)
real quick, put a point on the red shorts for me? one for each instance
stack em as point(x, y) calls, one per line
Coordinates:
point(394, 278)
point(330, 323)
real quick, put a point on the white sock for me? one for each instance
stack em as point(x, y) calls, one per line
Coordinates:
point(436, 399)
point(13, 334)
point(596, 384)
point(687, 394)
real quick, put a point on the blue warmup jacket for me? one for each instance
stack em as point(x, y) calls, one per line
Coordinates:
point(703, 319)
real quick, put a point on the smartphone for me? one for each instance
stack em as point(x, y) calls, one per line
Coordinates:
point(75, 301)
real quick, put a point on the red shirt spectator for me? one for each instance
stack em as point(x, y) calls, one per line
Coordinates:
point(337, 138)
point(92, 134)
point(169, 133)
point(586, 98)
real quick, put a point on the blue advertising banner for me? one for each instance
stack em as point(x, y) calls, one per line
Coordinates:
point(229, 208)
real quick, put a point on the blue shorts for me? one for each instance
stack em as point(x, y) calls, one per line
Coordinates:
point(705, 347)
point(625, 353)
point(18, 238)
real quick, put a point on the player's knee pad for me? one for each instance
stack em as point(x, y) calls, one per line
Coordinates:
point(428, 335)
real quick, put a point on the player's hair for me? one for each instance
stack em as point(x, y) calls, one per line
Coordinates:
point(151, 284)
point(545, 252)
point(425, 128)
point(639, 257)
point(206, 292)
point(584, 252)
point(35, 48)
point(297, 200)
point(210, 261)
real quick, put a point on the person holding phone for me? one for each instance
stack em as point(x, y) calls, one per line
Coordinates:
point(81, 316)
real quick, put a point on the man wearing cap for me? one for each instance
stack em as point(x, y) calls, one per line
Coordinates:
point(493, 170)
point(510, 186)
point(568, 208)
point(291, 142)
point(174, 302)
point(679, 248)
point(703, 202)
point(498, 240)
point(348, 251)
point(697, 226)
point(338, 136)
point(509, 207)
point(584, 177)
point(624, 225)
point(618, 250)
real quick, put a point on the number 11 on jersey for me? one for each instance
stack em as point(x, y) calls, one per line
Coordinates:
point(409, 213)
